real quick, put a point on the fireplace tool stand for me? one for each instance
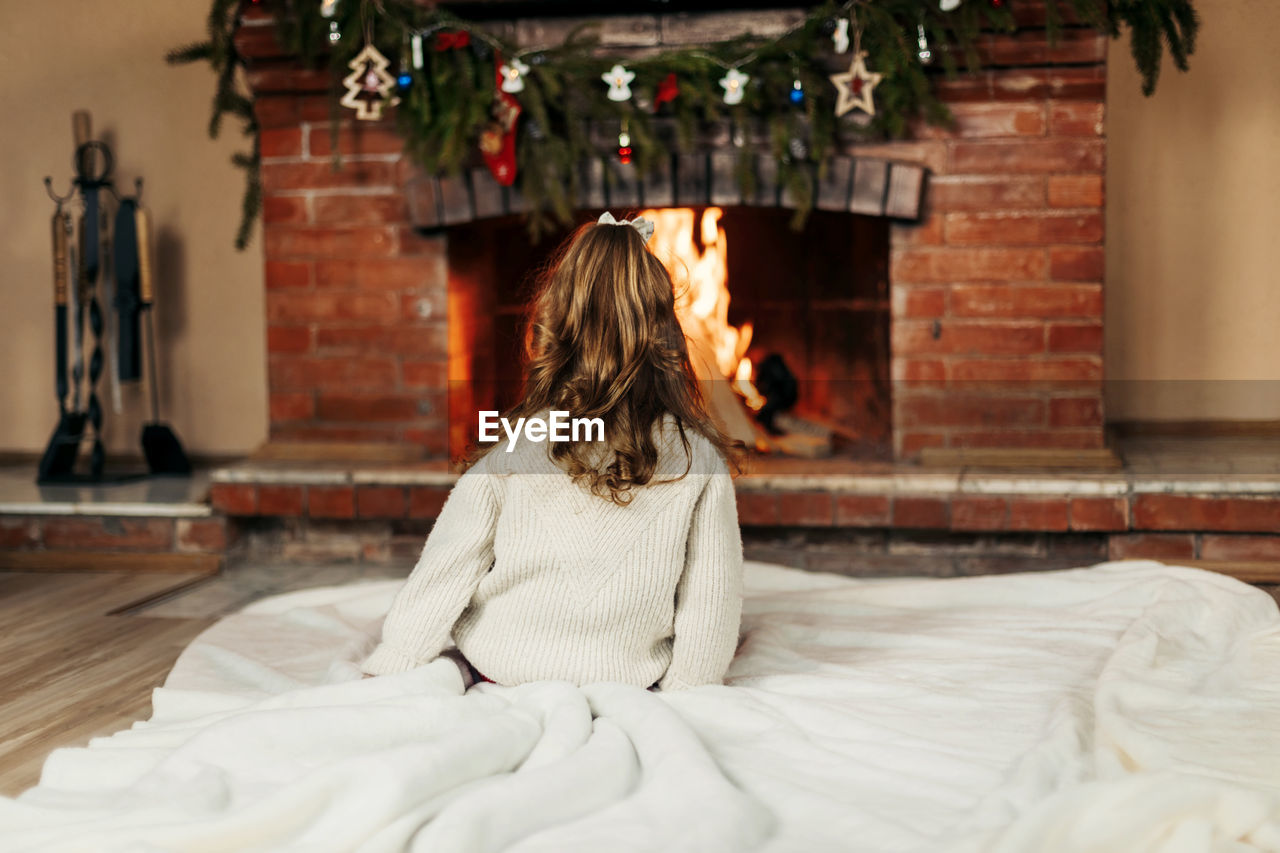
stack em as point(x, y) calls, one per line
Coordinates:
point(85, 260)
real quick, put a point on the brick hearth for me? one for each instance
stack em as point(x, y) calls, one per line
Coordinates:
point(1123, 513)
point(996, 294)
point(870, 521)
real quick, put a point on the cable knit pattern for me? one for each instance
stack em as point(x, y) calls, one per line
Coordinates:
point(537, 579)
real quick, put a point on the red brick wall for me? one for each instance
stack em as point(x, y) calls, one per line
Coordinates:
point(996, 296)
point(133, 534)
point(356, 305)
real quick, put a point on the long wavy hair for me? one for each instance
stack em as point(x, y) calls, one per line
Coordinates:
point(603, 341)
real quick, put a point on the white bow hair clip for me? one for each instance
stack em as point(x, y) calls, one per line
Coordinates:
point(644, 226)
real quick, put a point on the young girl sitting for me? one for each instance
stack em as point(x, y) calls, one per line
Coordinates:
point(609, 560)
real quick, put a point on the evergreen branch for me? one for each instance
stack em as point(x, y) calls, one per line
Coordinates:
point(449, 102)
point(195, 52)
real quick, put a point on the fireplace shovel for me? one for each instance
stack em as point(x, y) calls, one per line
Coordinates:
point(60, 455)
point(161, 447)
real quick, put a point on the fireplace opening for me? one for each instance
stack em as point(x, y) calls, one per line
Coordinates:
point(760, 303)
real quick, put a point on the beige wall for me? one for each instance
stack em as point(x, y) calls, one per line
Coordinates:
point(1193, 226)
point(60, 55)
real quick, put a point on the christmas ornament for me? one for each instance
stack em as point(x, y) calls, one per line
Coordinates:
point(734, 84)
point(855, 87)
point(668, 89)
point(996, 4)
point(404, 78)
point(624, 145)
point(619, 80)
point(415, 50)
point(368, 85)
point(840, 38)
point(511, 76)
point(334, 34)
point(454, 41)
point(948, 5)
point(796, 95)
point(498, 139)
point(924, 53)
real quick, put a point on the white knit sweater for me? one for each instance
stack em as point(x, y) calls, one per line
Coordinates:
point(537, 579)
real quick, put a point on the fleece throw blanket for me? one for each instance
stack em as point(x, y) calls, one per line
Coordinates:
point(1124, 707)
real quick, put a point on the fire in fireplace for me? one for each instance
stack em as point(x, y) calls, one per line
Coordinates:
point(757, 299)
point(717, 349)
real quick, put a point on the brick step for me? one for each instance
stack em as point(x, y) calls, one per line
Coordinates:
point(856, 552)
point(898, 552)
point(128, 539)
point(777, 493)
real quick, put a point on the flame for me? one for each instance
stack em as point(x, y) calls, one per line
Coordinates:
point(742, 381)
point(701, 278)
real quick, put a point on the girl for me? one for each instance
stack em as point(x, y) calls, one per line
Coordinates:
point(609, 560)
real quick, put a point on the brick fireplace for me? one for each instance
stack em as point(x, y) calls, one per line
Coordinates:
point(994, 286)
point(989, 299)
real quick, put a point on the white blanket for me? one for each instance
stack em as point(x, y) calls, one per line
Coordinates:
point(1127, 707)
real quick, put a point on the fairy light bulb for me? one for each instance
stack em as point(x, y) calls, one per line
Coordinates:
point(734, 84)
point(619, 80)
point(512, 73)
point(924, 53)
point(415, 49)
point(624, 145)
point(797, 92)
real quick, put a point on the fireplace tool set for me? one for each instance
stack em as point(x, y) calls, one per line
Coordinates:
point(93, 255)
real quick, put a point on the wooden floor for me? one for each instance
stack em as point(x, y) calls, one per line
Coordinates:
point(72, 666)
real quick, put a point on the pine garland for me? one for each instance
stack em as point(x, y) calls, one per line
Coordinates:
point(448, 103)
point(220, 52)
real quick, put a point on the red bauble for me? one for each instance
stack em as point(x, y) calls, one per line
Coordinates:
point(668, 89)
point(452, 40)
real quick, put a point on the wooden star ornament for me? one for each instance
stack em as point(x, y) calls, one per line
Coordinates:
point(369, 86)
point(856, 86)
